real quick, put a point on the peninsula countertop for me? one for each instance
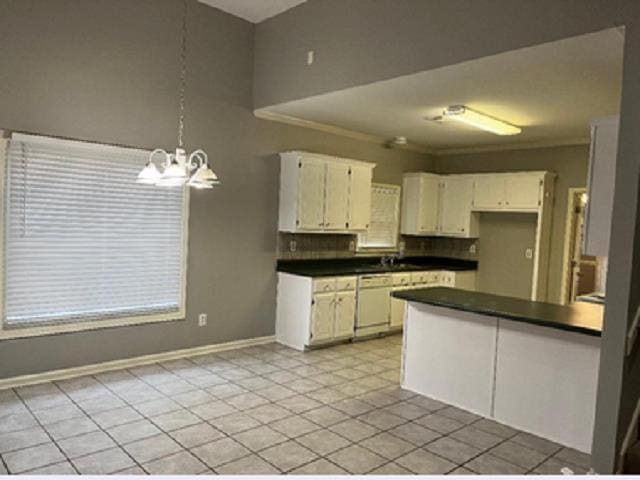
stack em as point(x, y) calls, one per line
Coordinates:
point(578, 317)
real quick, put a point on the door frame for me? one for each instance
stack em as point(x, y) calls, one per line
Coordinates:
point(568, 240)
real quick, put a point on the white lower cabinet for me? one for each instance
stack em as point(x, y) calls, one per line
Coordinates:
point(322, 317)
point(345, 314)
point(314, 311)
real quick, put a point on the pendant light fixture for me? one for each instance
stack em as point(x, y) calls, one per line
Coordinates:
point(179, 168)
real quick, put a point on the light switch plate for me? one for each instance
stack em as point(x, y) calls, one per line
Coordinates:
point(528, 253)
point(352, 246)
point(472, 248)
point(292, 246)
point(202, 320)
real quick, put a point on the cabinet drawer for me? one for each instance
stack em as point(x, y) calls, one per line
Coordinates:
point(400, 279)
point(346, 283)
point(423, 277)
point(448, 279)
point(374, 281)
point(324, 285)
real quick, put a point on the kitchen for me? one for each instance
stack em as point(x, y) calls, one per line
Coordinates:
point(498, 233)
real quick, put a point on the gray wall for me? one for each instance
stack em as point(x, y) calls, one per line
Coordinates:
point(107, 71)
point(357, 42)
point(503, 268)
point(570, 163)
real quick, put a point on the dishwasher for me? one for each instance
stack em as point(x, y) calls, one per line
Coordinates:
point(374, 304)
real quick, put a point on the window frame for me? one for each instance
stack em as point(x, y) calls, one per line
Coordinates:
point(364, 250)
point(98, 324)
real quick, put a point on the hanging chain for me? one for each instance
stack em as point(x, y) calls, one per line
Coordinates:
point(183, 75)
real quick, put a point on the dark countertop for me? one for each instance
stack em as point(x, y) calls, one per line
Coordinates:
point(578, 317)
point(369, 265)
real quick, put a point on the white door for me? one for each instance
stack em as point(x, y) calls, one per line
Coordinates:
point(311, 180)
point(523, 192)
point(345, 314)
point(488, 192)
point(429, 204)
point(336, 214)
point(322, 317)
point(360, 198)
point(397, 312)
point(455, 205)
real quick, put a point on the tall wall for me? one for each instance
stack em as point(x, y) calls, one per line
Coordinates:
point(107, 71)
point(570, 163)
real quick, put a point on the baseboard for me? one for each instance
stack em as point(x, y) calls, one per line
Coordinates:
point(94, 368)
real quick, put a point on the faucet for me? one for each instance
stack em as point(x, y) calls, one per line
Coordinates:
point(388, 260)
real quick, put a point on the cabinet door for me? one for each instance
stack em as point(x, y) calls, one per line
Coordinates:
point(336, 214)
point(397, 312)
point(322, 317)
point(523, 192)
point(311, 187)
point(455, 206)
point(488, 192)
point(345, 314)
point(360, 198)
point(429, 204)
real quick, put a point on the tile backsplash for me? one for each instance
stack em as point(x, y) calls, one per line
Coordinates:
point(311, 246)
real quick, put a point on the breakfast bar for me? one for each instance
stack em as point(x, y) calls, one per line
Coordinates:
point(530, 365)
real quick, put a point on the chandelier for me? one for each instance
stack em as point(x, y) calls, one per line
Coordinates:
point(180, 168)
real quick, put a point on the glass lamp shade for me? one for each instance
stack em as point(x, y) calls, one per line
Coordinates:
point(149, 174)
point(204, 177)
point(174, 175)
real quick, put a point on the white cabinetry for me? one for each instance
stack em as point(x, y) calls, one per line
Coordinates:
point(514, 192)
point(360, 197)
point(314, 311)
point(319, 193)
point(336, 199)
point(600, 186)
point(420, 204)
point(455, 218)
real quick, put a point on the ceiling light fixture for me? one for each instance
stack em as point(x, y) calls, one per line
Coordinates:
point(178, 166)
point(465, 115)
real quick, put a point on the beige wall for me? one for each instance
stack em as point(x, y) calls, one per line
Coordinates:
point(569, 163)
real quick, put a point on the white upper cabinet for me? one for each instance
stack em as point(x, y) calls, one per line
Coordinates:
point(488, 192)
point(319, 193)
point(516, 192)
point(336, 201)
point(455, 207)
point(311, 178)
point(420, 204)
point(600, 186)
point(360, 198)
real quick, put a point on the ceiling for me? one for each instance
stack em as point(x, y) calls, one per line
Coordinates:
point(253, 10)
point(550, 90)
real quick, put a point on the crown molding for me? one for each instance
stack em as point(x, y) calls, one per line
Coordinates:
point(443, 152)
point(343, 132)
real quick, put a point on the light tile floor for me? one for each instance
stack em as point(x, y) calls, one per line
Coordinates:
point(260, 410)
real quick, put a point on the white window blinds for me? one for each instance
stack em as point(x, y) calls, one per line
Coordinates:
point(385, 216)
point(82, 240)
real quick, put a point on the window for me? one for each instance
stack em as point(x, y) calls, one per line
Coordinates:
point(382, 233)
point(83, 242)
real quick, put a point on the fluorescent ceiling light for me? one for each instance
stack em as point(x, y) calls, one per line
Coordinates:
point(465, 115)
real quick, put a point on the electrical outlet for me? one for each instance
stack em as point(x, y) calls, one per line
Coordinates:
point(528, 253)
point(311, 57)
point(292, 246)
point(422, 246)
point(472, 248)
point(202, 319)
point(352, 246)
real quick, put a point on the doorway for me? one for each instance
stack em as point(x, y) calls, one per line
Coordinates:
point(579, 271)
